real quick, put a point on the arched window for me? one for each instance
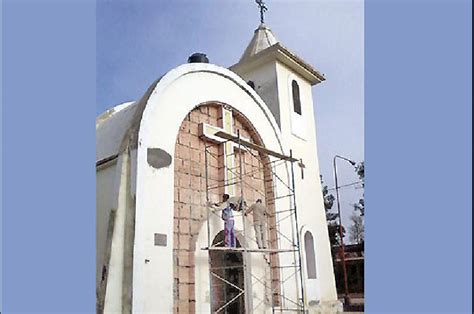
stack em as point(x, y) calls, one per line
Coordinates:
point(310, 257)
point(296, 97)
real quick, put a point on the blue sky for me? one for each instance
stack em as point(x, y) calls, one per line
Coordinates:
point(139, 41)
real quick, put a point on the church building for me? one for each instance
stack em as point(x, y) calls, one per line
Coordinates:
point(164, 163)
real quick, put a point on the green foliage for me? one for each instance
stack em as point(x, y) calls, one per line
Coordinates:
point(334, 238)
point(360, 169)
point(333, 225)
point(357, 230)
point(360, 206)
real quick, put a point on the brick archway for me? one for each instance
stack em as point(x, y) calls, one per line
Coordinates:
point(190, 193)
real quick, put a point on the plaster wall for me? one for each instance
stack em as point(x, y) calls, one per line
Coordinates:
point(105, 201)
point(118, 286)
point(177, 93)
point(309, 198)
point(113, 292)
point(265, 80)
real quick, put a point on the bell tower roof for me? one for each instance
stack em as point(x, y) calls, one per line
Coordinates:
point(264, 47)
point(262, 39)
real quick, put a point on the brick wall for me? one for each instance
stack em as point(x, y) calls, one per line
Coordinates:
point(190, 193)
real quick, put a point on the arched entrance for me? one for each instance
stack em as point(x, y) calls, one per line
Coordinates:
point(192, 153)
point(227, 279)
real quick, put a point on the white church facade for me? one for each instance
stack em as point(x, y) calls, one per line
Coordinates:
point(199, 132)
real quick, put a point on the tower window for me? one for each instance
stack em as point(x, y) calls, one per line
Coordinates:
point(296, 97)
point(310, 256)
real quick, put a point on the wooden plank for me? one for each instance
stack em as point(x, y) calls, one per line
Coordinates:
point(240, 249)
point(106, 160)
point(259, 148)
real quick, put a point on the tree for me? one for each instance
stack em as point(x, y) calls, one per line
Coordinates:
point(360, 206)
point(331, 218)
point(356, 231)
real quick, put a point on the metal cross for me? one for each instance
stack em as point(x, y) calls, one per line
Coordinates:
point(263, 8)
point(302, 166)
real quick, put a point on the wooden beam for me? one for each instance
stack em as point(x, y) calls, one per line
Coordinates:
point(105, 160)
point(259, 148)
point(240, 249)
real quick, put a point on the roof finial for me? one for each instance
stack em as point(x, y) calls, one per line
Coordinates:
point(263, 8)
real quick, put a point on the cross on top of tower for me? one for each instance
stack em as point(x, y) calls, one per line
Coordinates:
point(263, 8)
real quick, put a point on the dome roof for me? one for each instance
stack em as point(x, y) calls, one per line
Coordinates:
point(262, 39)
point(111, 127)
point(120, 123)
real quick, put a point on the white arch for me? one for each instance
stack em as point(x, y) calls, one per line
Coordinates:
point(175, 95)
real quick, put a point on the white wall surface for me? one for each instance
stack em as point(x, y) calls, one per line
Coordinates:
point(310, 205)
point(106, 199)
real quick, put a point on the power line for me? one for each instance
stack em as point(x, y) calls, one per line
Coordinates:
point(346, 185)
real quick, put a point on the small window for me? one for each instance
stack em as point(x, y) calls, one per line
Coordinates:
point(296, 97)
point(310, 257)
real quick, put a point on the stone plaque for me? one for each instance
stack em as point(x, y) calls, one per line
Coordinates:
point(160, 239)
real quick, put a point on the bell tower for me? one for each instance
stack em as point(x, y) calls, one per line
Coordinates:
point(284, 81)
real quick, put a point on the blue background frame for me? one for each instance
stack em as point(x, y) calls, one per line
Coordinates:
point(418, 155)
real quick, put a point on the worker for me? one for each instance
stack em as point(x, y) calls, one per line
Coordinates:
point(259, 222)
point(227, 215)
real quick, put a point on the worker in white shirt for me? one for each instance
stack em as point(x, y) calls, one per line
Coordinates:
point(259, 222)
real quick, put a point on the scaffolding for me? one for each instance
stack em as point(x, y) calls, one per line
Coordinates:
point(282, 279)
